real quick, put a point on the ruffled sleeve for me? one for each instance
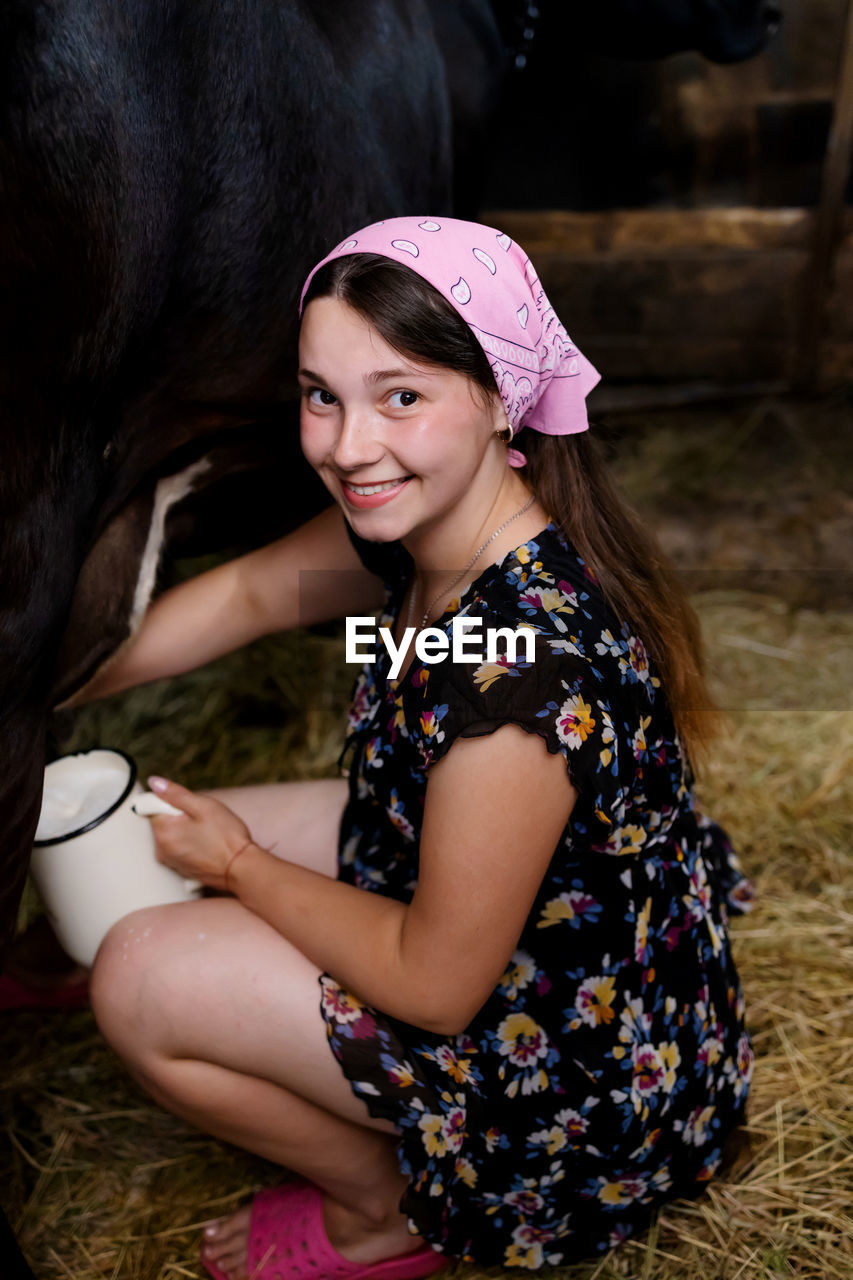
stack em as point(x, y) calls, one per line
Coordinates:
point(734, 891)
point(558, 695)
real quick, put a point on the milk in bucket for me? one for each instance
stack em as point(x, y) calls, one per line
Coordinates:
point(93, 858)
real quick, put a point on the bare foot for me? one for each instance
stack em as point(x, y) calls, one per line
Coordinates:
point(226, 1241)
point(362, 1240)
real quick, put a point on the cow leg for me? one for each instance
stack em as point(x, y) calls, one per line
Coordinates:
point(37, 962)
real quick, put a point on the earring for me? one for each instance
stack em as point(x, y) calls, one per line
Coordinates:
point(502, 436)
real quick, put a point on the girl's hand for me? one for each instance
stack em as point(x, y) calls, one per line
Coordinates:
point(204, 841)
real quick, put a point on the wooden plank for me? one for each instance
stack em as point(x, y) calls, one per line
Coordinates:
point(839, 311)
point(610, 399)
point(723, 317)
point(660, 231)
point(836, 353)
point(828, 231)
point(693, 296)
point(676, 359)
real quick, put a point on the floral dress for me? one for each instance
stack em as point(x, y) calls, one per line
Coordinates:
point(603, 1073)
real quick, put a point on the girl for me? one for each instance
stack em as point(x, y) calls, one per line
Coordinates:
point(528, 1030)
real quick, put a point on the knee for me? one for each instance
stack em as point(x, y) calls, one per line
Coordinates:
point(122, 981)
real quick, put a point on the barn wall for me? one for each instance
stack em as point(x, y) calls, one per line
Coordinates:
point(670, 206)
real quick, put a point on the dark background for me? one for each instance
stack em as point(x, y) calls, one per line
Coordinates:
point(579, 130)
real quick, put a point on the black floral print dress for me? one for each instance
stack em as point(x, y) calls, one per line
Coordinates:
point(603, 1073)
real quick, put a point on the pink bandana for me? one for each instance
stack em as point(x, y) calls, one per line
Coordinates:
point(542, 377)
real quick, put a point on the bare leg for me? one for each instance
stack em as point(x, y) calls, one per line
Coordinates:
point(218, 1017)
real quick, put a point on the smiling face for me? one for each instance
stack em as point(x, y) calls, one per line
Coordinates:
point(403, 446)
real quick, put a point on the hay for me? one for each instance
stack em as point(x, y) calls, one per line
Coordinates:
point(105, 1186)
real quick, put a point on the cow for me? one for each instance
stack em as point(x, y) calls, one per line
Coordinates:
point(721, 30)
point(169, 173)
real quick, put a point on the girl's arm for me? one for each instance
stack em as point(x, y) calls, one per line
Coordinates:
point(312, 575)
point(484, 852)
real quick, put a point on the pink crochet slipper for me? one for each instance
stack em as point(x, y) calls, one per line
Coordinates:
point(288, 1241)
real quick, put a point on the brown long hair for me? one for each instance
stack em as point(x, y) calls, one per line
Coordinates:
point(568, 475)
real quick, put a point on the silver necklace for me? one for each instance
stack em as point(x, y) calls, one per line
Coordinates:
point(475, 557)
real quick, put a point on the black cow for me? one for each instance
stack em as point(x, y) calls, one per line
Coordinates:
point(169, 173)
point(722, 30)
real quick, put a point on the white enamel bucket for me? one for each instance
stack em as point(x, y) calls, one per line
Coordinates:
point(93, 858)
